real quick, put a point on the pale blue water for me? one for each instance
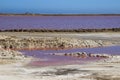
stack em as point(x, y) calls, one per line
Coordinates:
point(59, 22)
point(115, 50)
point(53, 60)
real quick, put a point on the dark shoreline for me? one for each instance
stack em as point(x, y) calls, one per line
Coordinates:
point(63, 30)
point(30, 14)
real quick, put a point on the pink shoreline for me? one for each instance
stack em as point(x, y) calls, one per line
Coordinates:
point(39, 63)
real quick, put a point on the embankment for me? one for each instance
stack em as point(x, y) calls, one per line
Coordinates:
point(8, 42)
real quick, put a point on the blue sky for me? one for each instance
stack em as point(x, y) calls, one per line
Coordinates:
point(60, 6)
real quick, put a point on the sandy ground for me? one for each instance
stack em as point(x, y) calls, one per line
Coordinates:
point(102, 70)
point(108, 36)
point(100, 35)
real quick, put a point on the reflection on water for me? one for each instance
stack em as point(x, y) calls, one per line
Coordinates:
point(45, 59)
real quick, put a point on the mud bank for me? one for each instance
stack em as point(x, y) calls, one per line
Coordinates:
point(12, 42)
point(8, 56)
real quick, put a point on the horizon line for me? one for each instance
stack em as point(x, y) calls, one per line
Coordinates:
point(59, 14)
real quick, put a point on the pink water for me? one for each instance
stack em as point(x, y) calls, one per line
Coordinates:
point(44, 59)
point(58, 22)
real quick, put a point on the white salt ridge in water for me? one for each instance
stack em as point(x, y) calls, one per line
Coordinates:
point(48, 60)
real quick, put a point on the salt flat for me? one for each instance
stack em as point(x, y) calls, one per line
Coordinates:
point(102, 70)
point(108, 69)
point(67, 34)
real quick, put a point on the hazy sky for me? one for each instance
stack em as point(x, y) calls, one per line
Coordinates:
point(60, 6)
